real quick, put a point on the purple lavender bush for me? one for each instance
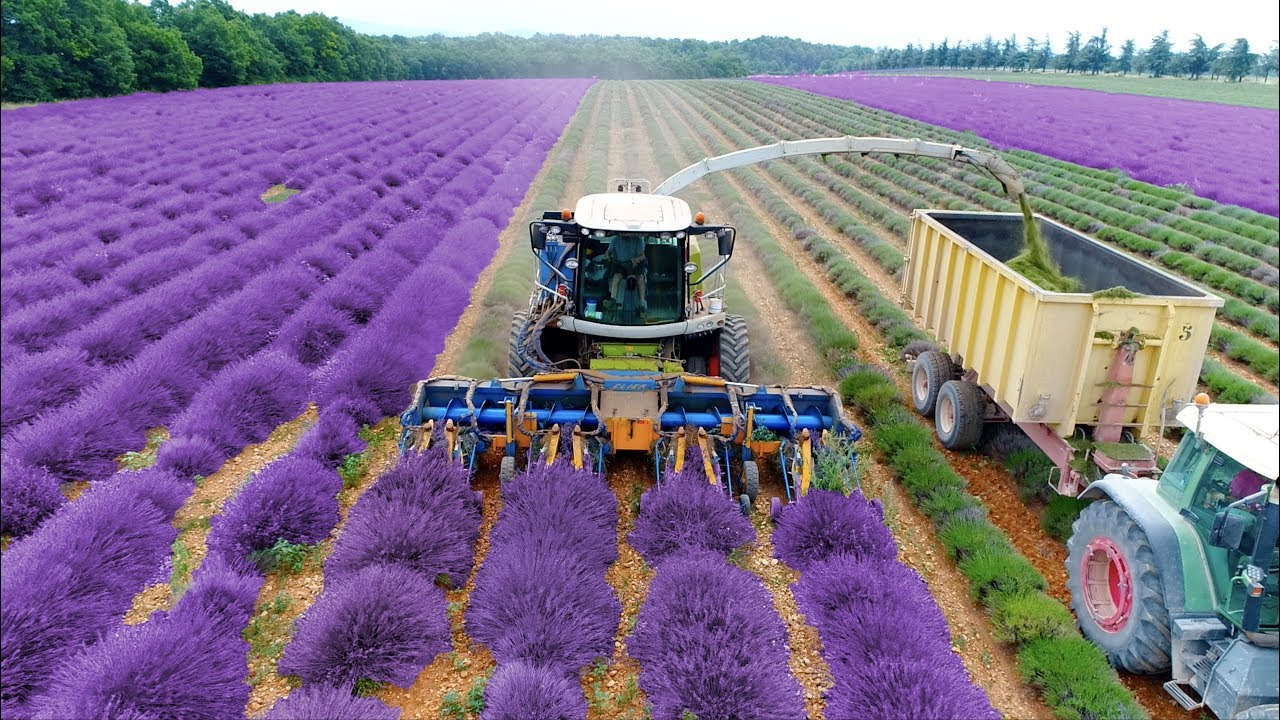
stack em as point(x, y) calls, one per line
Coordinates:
point(710, 642)
point(519, 691)
point(330, 439)
point(245, 402)
point(684, 513)
point(824, 524)
point(188, 663)
point(540, 607)
point(421, 516)
point(319, 702)
point(28, 495)
point(928, 689)
point(71, 581)
point(294, 499)
point(877, 619)
point(382, 623)
point(558, 508)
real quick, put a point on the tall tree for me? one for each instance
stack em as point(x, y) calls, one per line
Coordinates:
point(1124, 63)
point(1097, 53)
point(1045, 56)
point(1200, 57)
point(63, 49)
point(1069, 60)
point(161, 59)
point(1159, 55)
point(1270, 63)
point(1238, 60)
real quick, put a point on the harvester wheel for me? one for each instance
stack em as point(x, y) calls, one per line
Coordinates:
point(744, 504)
point(959, 413)
point(932, 369)
point(1116, 591)
point(517, 366)
point(506, 469)
point(735, 350)
point(751, 479)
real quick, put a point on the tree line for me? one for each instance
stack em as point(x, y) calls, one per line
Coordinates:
point(59, 49)
point(1094, 55)
point(56, 49)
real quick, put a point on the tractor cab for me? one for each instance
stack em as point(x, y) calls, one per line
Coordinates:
point(1219, 480)
point(631, 259)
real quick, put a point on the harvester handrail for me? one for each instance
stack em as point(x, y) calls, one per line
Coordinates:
point(989, 161)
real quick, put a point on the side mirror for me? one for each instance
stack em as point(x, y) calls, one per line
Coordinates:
point(724, 241)
point(538, 237)
point(1229, 528)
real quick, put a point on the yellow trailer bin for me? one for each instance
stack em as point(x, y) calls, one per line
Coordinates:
point(1046, 358)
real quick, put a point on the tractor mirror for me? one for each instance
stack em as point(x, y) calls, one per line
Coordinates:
point(538, 237)
point(1229, 529)
point(724, 239)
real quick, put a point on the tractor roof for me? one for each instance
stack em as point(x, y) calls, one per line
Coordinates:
point(633, 211)
point(1248, 433)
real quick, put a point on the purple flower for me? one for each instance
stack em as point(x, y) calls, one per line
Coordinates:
point(686, 513)
point(709, 641)
point(381, 623)
point(519, 691)
point(824, 524)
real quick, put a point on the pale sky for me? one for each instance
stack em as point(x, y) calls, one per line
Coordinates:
point(840, 22)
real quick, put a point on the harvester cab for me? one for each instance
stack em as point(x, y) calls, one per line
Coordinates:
point(629, 281)
point(1180, 575)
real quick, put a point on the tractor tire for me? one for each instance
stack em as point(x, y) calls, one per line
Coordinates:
point(751, 479)
point(932, 369)
point(517, 366)
point(1116, 591)
point(959, 413)
point(744, 505)
point(735, 350)
point(506, 469)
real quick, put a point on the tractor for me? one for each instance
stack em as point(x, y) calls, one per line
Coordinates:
point(1179, 575)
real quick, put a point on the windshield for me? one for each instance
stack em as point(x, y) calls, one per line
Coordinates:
point(630, 279)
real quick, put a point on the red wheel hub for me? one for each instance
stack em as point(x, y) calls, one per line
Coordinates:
point(1107, 584)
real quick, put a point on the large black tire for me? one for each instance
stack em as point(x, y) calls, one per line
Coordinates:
point(517, 366)
point(751, 479)
point(735, 350)
point(959, 413)
point(932, 369)
point(1131, 627)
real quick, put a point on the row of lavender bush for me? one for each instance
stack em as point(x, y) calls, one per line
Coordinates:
point(708, 638)
point(541, 603)
point(884, 637)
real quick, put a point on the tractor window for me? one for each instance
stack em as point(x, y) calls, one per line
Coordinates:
point(630, 279)
point(1214, 492)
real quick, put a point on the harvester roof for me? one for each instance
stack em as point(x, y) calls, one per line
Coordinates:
point(633, 212)
point(1247, 433)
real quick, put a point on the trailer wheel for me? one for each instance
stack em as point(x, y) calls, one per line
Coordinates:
point(751, 479)
point(932, 369)
point(735, 350)
point(506, 469)
point(959, 413)
point(517, 366)
point(1116, 591)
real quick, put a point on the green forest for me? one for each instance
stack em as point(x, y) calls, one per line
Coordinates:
point(60, 49)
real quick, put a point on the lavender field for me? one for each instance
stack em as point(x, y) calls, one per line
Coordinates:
point(1222, 152)
point(149, 282)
